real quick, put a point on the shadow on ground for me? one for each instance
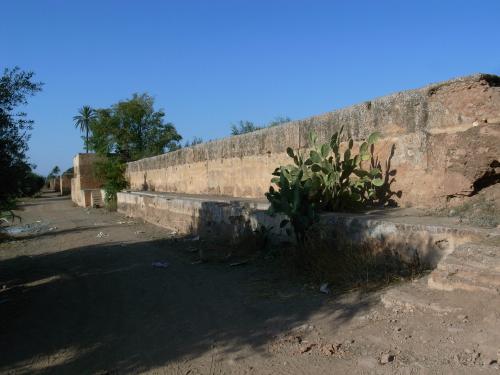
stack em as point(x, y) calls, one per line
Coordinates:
point(105, 308)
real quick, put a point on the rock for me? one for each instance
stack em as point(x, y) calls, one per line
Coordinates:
point(386, 358)
point(462, 317)
point(328, 349)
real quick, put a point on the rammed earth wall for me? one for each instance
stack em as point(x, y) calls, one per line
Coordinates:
point(443, 139)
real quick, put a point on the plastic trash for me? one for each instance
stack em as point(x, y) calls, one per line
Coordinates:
point(101, 235)
point(324, 288)
point(160, 264)
point(235, 264)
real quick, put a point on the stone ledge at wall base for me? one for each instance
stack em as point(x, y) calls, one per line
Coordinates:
point(439, 143)
point(228, 220)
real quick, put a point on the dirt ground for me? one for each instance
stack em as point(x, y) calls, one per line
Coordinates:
point(81, 293)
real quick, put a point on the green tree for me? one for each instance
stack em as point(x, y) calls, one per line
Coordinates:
point(130, 130)
point(133, 129)
point(15, 87)
point(85, 116)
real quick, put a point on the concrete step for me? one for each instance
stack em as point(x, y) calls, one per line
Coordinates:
point(474, 267)
point(482, 256)
point(96, 198)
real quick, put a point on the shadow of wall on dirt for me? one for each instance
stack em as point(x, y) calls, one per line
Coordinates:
point(105, 308)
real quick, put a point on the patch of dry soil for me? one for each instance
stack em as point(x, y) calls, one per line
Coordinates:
point(85, 298)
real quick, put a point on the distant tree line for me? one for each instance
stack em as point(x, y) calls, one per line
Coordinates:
point(243, 127)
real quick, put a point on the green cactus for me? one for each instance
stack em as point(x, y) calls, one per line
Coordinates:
point(326, 180)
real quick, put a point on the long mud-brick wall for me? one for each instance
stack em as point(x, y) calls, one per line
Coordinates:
point(438, 142)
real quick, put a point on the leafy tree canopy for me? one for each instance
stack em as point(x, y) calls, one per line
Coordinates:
point(133, 129)
point(15, 87)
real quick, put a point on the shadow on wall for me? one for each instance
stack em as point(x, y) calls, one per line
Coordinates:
point(104, 308)
point(384, 193)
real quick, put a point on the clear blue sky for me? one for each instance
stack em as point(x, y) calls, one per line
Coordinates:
point(210, 63)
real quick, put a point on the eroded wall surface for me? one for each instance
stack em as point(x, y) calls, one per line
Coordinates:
point(438, 142)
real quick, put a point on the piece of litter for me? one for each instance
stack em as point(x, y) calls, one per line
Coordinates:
point(52, 228)
point(324, 288)
point(139, 231)
point(160, 264)
point(101, 235)
point(238, 263)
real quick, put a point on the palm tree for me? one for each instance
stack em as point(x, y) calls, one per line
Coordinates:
point(85, 116)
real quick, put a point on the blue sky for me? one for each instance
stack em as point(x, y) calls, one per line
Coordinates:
point(211, 63)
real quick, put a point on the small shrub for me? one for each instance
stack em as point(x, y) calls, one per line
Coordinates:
point(112, 170)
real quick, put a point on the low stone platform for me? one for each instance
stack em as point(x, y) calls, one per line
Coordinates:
point(408, 232)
